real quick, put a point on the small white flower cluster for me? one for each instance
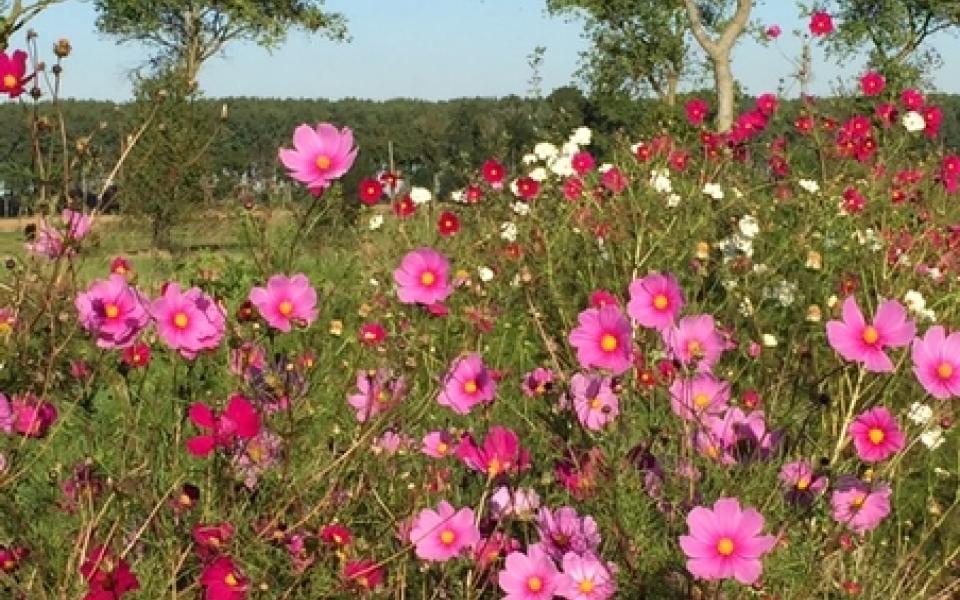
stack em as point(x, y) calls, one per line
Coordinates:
point(376, 221)
point(660, 181)
point(420, 195)
point(921, 414)
point(508, 231)
point(913, 122)
point(713, 190)
point(785, 292)
point(809, 186)
point(485, 274)
point(740, 242)
point(917, 305)
point(869, 238)
point(558, 161)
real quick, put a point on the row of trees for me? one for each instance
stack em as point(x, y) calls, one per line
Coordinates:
point(644, 47)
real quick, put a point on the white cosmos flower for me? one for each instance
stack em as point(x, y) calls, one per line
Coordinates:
point(545, 151)
point(458, 196)
point(673, 200)
point(376, 221)
point(420, 195)
point(748, 226)
point(581, 136)
point(605, 167)
point(769, 340)
point(809, 185)
point(569, 148)
point(920, 413)
point(660, 181)
point(561, 165)
point(918, 305)
point(529, 159)
point(508, 231)
point(485, 273)
point(713, 190)
point(932, 438)
point(521, 208)
point(913, 122)
point(538, 174)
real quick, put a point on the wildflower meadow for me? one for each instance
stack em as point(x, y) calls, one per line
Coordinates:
point(689, 359)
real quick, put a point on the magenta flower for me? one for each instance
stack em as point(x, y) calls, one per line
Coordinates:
point(501, 453)
point(563, 530)
point(467, 384)
point(530, 576)
point(52, 243)
point(856, 340)
point(725, 542)
point(423, 277)
point(238, 421)
point(655, 300)
point(442, 534)
point(520, 503)
point(936, 362)
point(585, 578)
point(319, 156)
point(876, 435)
point(189, 322)
point(700, 395)
point(112, 311)
point(377, 392)
point(801, 483)
point(602, 339)
point(537, 382)
point(286, 301)
point(860, 506)
point(31, 416)
point(7, 418)
point(594, 401)
point(694, 341)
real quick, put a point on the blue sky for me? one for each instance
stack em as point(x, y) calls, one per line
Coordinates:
point(415, 48)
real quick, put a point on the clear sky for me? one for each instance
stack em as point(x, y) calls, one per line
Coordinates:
point(431, 49)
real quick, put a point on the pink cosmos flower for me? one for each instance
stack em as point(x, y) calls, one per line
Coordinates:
point(614, 180)
point(442, 534)
point(872, 84)
point(582, 162)
point(286, 301)
point(7, 418)
point(189, 322)
point(113, 311)
point(423, 277)
point(801, 482)
point(563, 530)
point(859, 505)
point(537, 382)
point(655, 300)
point(700, 395)
point(602, 339)
point(912, 99)
point(52, 243)
point(238, 421)
point(697, 110)
point(377, 391)
point(521, 503)
point(13, 71)
point(319, 156)
point(694, 341)
point(585, 578)
point(31, 416)
point(936, 362)
point(876, 435)
point(530, 576)
point(856, 340)
point(821, 23)
point(725, 542)
point(492, 548)
point(467, 384)
point(438, 444)
point(773, 31)
point(223, 581)
point(501, 453)
point(594, 401)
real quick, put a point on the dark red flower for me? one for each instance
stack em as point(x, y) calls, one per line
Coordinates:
point(697, 111)
point(121, 266)
point(493, 173)
point(448, 223)
point(527, 188)
point(821, 23)
point(363, 575)
point(108, 577)
point(370, 191)
point(224, 581)
point(210, 540)
point(404, 207)
point(136, 355)
point(336, 535)
point(238, 421)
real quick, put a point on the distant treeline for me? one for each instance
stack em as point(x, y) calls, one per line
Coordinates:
point(431, 141)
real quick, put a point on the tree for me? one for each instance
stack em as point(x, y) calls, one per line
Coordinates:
point(637, 46)
point(718, 48)
point(896, 33)
point(186, 33)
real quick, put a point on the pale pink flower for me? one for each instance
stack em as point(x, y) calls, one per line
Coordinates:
point(442, 534)
point(319, 156)
point(286, 301)
point(856, 340)
point(700, 395)
point(594, 401)
point(467, 384)
point(695, 342)
point(585, 578)
point(530, 576)
point(936, 362)
point(859, 505)
point(438, 444)
point(423, 277)
point(655, 300)
point(113, 311)
point(603, 339)
point(189, 322)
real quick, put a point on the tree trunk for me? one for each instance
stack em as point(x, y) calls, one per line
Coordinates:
point(673, 82)
point(723, 77)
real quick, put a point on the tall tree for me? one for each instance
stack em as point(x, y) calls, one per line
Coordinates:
point(186, 33)
point(718, 46)
point(896, 33)
point(637, 46)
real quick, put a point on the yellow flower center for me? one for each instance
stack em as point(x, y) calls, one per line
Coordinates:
point(944, 370)
point(363, 582)
point(494, 467)
point(382, 397)
point(185, 500)
point(442, 448)
point(870, 334)
point(471, 387)
point(858, 500)
point(609, 342)
point(256, 453)
point(586, 586)
point(534, 584)
point(323, 162)
point(112, 311)
point(803, 483)
point(725, 547)
point(9, 82)
point(596, 404)
point(701, 400)
point(231, 580)
point(695, 349)
point(876, 435)
point(285, 308)
point(427, 278)
point(9, 564)
point(181, 320)
point(661, 302)
point(447, 536)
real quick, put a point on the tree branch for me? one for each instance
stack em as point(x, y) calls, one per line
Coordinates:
point(696, 27)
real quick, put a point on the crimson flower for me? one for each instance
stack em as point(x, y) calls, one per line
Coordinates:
point(238, 421)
